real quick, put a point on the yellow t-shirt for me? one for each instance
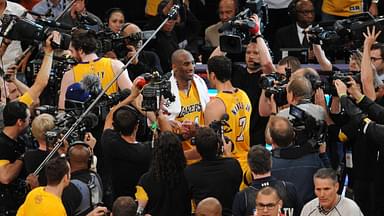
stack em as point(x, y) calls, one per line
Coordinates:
point(191, 109)
point(39, 202)
point(26, 98)
point(101, 67)
point(342, 7)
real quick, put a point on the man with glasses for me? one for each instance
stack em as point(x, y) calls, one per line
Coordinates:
point(377, 58)
point(303, 13)
point(328, 202)
point(268, 202)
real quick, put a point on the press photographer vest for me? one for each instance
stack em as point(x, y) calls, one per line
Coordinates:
point(238, 107)
point(101, 67)
point(342, 7)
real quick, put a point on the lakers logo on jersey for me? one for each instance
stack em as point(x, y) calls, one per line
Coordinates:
point(185, 110)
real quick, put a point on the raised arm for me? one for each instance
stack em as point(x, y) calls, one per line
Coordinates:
point(366, 65)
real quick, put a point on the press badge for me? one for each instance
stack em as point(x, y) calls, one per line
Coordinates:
point(348, 159)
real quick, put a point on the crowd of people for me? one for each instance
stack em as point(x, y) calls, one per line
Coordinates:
point(279, 138)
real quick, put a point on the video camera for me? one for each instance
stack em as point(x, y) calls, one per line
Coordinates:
point(221, 127)
point(33, 32)
point(309, 131)
point(236, 32)
point(274, 84)
point(64, 121)
point(157, 88)
point(112, 41)
point(346, 32)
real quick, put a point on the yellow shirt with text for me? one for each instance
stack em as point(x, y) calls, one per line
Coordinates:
point(39, 202)
point(101, 67)
point(238, 107)
point(342, 7)
point(191, 109)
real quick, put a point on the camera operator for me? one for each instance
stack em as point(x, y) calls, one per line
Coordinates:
point(213, 168)
point(288, 162)
point(366, 159)
point(83, 47)
point(231, 101)
point(40, 125)
point(85, 190)
point(227, 10)
point(125, 158)
point(12, 147)
point(179, 33)
point(260, 163)
point(147, 61)
point(30, 95)
point(257, 62)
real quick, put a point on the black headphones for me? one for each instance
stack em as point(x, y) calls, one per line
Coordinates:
point(86, 146)
point(129, 108)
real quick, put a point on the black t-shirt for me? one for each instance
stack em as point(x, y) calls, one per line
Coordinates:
point(148, 62)
point(125, 162)
point(13, 194)
point(165, 200)
point(244, 203)
point(219, 178)
point(249, 82)
point(32, 160)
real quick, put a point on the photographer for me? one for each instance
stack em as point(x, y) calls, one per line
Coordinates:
point(258, 61)
point(367, 161)
point(12, 147)
point(83, 47)
point(85, 190)
point(31, 94)
point(178, 33)
point(40, 125)
point(213, 168)
point(125, 159)
point(146, 61)
point(288, 162)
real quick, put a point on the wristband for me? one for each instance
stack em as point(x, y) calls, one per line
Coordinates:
point(375, 1)
point(342, 94)
point(360, 99)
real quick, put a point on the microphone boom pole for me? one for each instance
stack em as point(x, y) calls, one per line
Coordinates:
point(172, 13)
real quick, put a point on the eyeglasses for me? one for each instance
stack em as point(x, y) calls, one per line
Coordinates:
point(269, 206)
point(375, 59)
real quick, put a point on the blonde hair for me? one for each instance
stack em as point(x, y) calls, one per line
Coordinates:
point(41, 124)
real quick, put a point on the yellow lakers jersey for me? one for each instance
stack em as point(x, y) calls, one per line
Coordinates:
point(101, 67)
point(238, 107)
point(342, 7)
point(191, 109)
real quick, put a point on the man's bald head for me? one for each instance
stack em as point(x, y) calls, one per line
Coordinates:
point(209, 207)
point(178, 54)
point(79, 156)
point(130, 28)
